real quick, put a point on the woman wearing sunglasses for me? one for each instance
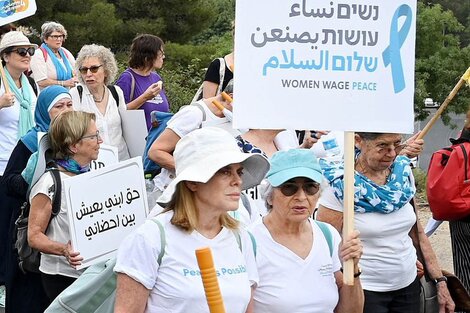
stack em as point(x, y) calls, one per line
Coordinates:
point(211, 172)
point(52, 64)
point(384, 187)
point(52, 101)
point(98, 68)
point(298, 259)
point(75, 142)
point(16, 106)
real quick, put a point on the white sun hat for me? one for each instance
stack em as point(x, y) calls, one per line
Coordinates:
point(15, 39)
point(201, 153)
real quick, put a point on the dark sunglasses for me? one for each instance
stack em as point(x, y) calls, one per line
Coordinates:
point(290, 189)
point(23, 51)
point(93, 69)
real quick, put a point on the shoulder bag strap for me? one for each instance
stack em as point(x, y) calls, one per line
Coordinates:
point(162, 240)
point(327, 233)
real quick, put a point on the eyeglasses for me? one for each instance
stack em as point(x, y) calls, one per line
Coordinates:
point(290, 189)
point(23, 51)
point(94, 136)
point(57, 37)
point(93, 69)
point(381, 148)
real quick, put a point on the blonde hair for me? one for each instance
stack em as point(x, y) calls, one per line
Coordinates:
point(67, 129)
point(185, 212)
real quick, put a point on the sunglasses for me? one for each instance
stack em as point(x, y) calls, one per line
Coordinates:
point(94, 136)
point(93, 69)
point(23, 51)
point(290, 189)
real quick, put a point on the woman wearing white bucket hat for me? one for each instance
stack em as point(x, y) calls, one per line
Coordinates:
point(211, 172)
point(16, 105)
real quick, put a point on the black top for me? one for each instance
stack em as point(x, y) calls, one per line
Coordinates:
point(213, 75)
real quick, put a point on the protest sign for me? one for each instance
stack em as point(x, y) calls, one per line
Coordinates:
point(325, 65)
point(107, 155)
point(103, 208)
point(134, 131)
point(13, 10)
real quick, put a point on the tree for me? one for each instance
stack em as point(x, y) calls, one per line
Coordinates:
point(440, 62)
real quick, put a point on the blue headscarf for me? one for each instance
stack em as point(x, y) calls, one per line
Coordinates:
point(62, 73)
point(46, 100)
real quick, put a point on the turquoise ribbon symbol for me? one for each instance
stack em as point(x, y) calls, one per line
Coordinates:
point(391, 55)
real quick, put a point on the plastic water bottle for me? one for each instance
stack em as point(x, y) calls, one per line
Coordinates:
point(330, 144)
point(150, 188)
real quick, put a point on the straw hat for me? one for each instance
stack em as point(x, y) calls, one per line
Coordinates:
point(15, 39)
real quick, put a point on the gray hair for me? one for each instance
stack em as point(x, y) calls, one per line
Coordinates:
point(229, 88)
point(267, 190)
point(103, 54)
point(49, 27)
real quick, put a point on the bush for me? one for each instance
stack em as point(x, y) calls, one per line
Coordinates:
point(420, 181)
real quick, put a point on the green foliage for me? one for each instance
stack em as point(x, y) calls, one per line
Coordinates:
point(420, 181)
point(440, 61)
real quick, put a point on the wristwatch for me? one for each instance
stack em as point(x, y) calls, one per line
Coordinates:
point(359, 272)
point(440, 279)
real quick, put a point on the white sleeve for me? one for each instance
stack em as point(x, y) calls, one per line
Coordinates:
point(137, 255)
point(38, 66)
point(329, 200)
point(186, 120)
point(43, 186)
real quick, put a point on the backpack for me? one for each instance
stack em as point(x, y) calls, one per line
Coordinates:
point(198, 95)
point(111, 88)
point(95, 290)
point(31, 81)
point(29, 258)
point(159, 121)
point(448, 182)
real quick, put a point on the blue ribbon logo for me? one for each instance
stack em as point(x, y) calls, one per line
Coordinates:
point(391, 55)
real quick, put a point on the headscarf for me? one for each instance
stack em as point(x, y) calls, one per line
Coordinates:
point(369, 196)
point(62, 73)
point(46, 100)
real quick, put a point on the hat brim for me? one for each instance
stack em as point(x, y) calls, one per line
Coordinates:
point(281, 177)
point(35, 46)
point(255, 167)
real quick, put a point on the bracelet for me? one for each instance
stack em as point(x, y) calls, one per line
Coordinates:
point(61, 83)
point(440, 279)
point(359, 272)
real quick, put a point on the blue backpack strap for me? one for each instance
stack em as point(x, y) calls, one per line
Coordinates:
point(239, 241)
point(327, 233)
point(162, 240)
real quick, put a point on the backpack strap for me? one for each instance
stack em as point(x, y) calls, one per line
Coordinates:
point(57, 198)
point(196, 104)
point(80, 92)
point(221, 75)
point(113, 91)
point(327, 234)
point(162, 240)
point(131, 95)
point(44, 53)
point(239, 241)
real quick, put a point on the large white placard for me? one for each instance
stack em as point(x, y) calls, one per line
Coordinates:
point(134, 131)
point(14, 10)
point(322, 64)
point(104, 206)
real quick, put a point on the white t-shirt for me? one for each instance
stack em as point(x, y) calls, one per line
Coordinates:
point(176, 285)
point(186, 120)
point(389, 258)
point(42, 70)
point(288, 283)
point(58, 229)
point(9, 124)
point(109, 123)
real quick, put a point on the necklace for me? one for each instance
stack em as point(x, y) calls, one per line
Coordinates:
point(102, 96)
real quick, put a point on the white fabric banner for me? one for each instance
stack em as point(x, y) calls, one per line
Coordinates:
point(320, 64)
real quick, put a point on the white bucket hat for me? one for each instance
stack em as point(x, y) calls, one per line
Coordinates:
point(15, 39)
point(201, 153)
